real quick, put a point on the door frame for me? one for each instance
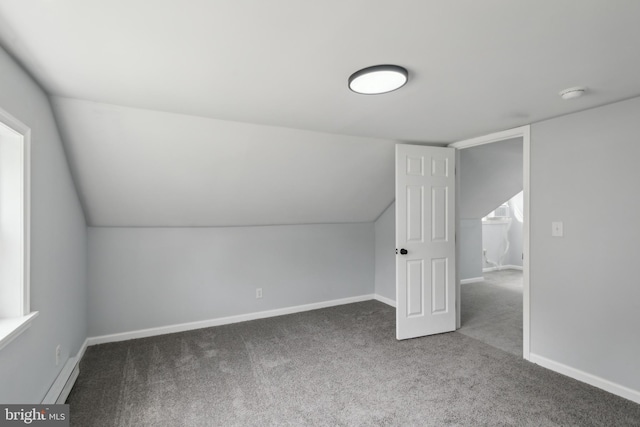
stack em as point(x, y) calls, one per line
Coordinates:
point(523, 132)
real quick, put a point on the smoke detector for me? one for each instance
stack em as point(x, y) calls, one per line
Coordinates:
point(572, 92)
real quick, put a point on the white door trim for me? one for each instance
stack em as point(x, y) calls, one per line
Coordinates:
point(525, 133)
point(492, 137)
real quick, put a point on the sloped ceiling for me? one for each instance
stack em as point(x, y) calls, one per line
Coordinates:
point(187, 84)
point(148, 168)
point(489, 175)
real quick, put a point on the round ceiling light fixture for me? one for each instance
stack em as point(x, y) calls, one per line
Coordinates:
point(378, 79)
point(572, 92)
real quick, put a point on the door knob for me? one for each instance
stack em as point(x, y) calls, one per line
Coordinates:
point(403, 251)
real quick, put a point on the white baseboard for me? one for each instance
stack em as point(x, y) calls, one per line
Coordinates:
point(611, 387)
point(170, 329)
point(65, 380)
point(61, 387)
point(504, 267)
point(472, 280)
point(83, 348)
point(385, 300)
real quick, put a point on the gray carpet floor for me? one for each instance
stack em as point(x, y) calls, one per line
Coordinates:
point(491, 310)
point(339, 366)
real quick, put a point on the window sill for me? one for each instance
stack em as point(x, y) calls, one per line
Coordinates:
point(11, 328)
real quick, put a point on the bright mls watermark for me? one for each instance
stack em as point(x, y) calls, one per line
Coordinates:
point(36, 415)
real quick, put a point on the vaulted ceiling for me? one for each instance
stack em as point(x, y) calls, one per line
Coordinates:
point(179, 113)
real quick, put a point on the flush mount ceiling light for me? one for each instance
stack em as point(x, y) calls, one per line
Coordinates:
point(572, 92)
point(378, 79)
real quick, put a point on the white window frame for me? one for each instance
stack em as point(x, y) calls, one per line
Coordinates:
point(15, 313)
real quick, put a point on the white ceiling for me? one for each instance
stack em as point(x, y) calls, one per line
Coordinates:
point(475, 67)
point(148, 168)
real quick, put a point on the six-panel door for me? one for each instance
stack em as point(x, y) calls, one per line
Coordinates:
point(425, 227)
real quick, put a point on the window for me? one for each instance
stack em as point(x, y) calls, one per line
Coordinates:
point(512, 208)
point(15, 313)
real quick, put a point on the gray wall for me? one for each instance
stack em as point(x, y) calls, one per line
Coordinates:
point(58, 249)
point(150, 277)
point(489, 174)
point(385, 229)
point(470, 256)
point(585, 297)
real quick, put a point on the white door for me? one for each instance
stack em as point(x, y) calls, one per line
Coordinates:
point(425, 241)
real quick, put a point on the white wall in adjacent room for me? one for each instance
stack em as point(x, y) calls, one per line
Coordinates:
point(151, 277)
point(502, 239)
point(516, 237)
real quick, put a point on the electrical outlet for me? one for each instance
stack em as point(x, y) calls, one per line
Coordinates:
point(58, 352)
point(258, 293)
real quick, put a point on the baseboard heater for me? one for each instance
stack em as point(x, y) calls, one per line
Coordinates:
point(62, 386)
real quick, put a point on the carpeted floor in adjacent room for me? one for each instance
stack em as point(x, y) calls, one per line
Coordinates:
point(339, 366)
point(491, 310)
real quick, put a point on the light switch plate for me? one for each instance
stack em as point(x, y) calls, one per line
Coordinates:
point(556, 229)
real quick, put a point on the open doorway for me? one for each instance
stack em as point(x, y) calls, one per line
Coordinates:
point(491, 304)
point(493, 239)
